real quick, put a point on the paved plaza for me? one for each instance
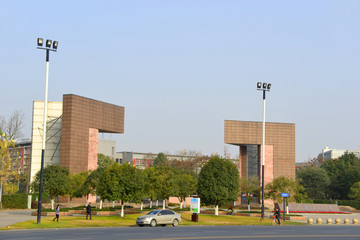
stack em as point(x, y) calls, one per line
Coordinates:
point(9, 217)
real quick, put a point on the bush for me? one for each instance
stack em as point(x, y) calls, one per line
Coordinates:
point(173, 204)
point(351, 203)
point(18, 200)
point(181, 210)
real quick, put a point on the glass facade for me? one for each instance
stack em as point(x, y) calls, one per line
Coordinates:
point(253, 161)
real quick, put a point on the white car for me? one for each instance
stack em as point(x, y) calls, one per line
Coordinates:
point(161, 217)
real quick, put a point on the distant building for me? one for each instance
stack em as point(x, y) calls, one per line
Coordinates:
point(329, 153)
point(108, 148)
point(145, 160)
point(300, 165)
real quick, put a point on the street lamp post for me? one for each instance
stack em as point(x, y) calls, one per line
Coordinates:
point(263, 87)
point(49, 46)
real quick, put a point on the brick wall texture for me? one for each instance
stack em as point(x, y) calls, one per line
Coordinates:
point(281, 136)
point(81, 114)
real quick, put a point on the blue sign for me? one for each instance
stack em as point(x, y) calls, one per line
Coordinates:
point(284, 195)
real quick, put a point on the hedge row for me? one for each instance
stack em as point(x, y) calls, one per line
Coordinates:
point(351, 203)
point(18, 201)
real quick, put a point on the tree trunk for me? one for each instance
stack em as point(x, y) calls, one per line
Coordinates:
point(70, 202)
point(122, 209)
point(150, 203)
point(249, 207)
point(157, 203)
point(181, 203)
point(216, 210)
point(113, 204)
point(86, 203)
point(141, 205)
point(29, 202)
point(100, 204)
point(164, 203)
point(52, 204)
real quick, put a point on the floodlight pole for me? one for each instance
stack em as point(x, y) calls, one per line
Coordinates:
point(44, 128)
point(265, 87)
point(263, 159)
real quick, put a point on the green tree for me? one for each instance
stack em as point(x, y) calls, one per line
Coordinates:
point(160, 160)
point(8, 164)
point(77, 182)
point(283, 184)
point(315, 180)
point(56, 182)
point(150, 184)
point(343, 173)
point(218, 182)
point(163, 183)
point(183, 185)
point(251, 187)
point(121, 182)
point(355, 191)
point(104, 161)
point(90, 185)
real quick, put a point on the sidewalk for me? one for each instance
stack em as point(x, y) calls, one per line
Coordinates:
point(8, 217)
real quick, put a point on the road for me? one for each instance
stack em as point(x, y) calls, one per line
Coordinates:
point(322, 232)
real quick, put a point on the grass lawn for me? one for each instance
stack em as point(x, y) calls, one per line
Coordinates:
point(129, 221)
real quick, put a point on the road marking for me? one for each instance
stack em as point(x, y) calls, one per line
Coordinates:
point(257, 236)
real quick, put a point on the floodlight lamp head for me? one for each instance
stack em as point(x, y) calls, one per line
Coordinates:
point(40, 42)
point(269, 86)
point(48, 43)
point(55, 45)
point(264, 85)
point(259, 85)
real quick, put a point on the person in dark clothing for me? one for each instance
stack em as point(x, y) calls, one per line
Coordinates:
point(277, 215)
point(57, 213)
point(230, 210)
point(88, 210)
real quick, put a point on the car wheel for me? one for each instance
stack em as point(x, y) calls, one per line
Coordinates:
point(163, 225)
point(153, 223)
point(175, 222)
point(140, 225)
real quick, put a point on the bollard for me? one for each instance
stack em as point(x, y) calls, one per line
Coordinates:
point(337, 221)
point(346, 221)
point(355, 221)
point(329, 221)
point(310, 221)
point(319, 221)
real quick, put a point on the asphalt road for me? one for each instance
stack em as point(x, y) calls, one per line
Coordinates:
point(315, 232)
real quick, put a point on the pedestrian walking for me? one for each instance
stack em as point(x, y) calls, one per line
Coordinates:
point(57, 213)
point(230, 210)
point(88, 211)
point(277, 216)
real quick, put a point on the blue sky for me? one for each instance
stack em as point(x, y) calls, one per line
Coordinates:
point(180, 68)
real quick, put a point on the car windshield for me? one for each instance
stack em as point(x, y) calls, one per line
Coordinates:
point(153, 212)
